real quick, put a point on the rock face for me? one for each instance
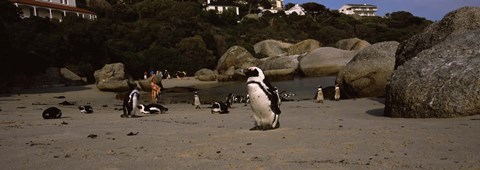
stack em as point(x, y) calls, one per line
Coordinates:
point(303, 47)
point(442, 81)
point(271, 48)
point(111, 78)
point(352, 44)
point(466, 18)
point(205, 75)
point(325, 61)
point(366, 75)
point(236, 56)
point(280, 62)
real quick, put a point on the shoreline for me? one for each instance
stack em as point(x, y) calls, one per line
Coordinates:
point(345, 134)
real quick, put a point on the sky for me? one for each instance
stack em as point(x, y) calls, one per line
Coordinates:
point(433, 10)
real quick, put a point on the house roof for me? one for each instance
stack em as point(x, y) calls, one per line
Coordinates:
point(221, 3)
point(361, 5)
point(52, 5)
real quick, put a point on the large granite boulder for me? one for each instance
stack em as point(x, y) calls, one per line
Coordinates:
point(303, 47)
point(270, 48)
point(366, 75)
point(236, 56)
point(325, 61)
point(466, 18)
point(352, 44)
point(112, 77)
point(205, 75)
point(442, 81)
point(280, 74)
point(280, 62)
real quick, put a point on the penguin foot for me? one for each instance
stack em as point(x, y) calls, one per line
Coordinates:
point(255, 128)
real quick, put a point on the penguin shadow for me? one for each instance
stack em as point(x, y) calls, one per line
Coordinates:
point(377, 112)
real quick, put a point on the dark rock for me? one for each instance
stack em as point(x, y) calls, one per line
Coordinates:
point(442, 81)
point(465, 18)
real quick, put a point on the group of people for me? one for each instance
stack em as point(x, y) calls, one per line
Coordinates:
point(156, 81)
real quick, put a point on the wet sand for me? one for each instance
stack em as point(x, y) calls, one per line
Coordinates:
point(345, 134)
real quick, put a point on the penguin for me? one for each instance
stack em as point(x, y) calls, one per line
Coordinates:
point(263, 100)
point(230, 99)
point(196, 100)
point(247, 99)
point(239, 99)
point(275, 90)
point(52, 113)
point(85, 109)
point(337, 92)
point(319, 95)
point(219, 107)
point(130, 102)
point(152, 109)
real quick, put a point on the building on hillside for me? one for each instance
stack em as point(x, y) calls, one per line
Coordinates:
point(359, 9)
point(221, 5)
point(53, 9)
point(295, 9)
point(277, 4)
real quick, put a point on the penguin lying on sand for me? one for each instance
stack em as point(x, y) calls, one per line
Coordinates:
point(220, 107)
point(263, 100)
point(152, 109)
point(52, 113)
point(85, 109)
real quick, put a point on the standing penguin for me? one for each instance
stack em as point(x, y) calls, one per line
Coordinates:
point(130, 103)
point(263, 100)
point(196, 100)
point(275, 90)
point(319, 95)
point(337, 92)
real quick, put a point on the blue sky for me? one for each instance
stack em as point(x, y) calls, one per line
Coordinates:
point(430, 9)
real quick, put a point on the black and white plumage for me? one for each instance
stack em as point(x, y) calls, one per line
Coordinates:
point(247, 99)
point(337, 93)
point(196, 100)
point(275, 91)
point(85, 109)
point(130, 102)
point(152, 109)
point(230, 99)
point(263, 100)
point(319, 95)
point(220, 107)
point(52, 113)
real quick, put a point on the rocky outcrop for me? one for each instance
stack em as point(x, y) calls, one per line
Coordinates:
point(352, 44)
point(280, 62)
point(466, 18)
point(205, 75)
point(112, 78)
point(271, 48)
point(237, 57)
point(280, 74)
point(325, 61)
point(303, 47)
point(442, 81)
point(366, 75)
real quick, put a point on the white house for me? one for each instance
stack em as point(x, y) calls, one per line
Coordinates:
point(296, 9)
point(53, 9)
point(359, 9)
point(220, 5)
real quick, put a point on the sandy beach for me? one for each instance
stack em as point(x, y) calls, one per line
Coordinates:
point(345, 134)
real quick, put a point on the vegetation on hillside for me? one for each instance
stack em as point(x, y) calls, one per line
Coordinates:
point(173, 35)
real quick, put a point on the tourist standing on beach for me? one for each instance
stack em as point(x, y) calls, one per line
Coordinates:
point(155, 88)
